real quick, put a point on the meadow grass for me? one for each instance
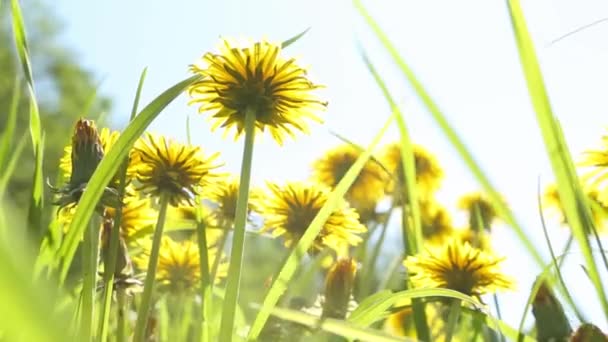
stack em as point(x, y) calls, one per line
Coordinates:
point(65, 281)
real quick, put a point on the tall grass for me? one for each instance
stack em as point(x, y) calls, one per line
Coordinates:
point(50, 308)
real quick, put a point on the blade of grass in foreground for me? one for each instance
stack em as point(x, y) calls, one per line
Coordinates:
point(279, 285)
point(107, 168)
point(110, 268)
point(568, 186)
point(36, 199)
point(335, 326)
point(453, 137)
point(412, 242)
point(11, 123)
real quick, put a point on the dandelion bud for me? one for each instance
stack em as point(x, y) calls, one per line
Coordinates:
point(551, 322)
point(338, 287)
point(588, 333)
point(87, 151)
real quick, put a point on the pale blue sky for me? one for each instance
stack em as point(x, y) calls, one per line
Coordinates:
point(463, 52)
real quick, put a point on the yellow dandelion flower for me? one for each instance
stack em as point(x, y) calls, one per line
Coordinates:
point(482, 212)
point(224, 195)
point(599, 208)
point(138, 218)
point(436, 221)
point(476, 238)
point(429, 173)
point(259, 78)
point(597, 162)
point(178, 267)
point(290, 209)
point(458, 266)
point(401, 323)
point(173, 169)
point(368, 187)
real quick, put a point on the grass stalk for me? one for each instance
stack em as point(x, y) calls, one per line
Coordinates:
point(238, 238)
point(91, 252)
point(206, 280)
point(453, 316)
point(146, 298)
point(121, 319)
point(110, 268)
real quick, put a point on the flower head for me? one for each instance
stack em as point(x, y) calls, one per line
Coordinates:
point(165, 167)
point(290, 209)
point(179, 264)
point(225, 195)
point(86, 152)
point(436, 221)
point(599, 207)
point(368, 187)
point(339, 284)
point(458, 266)
point(258, 78)
point(429, 173)
point(138, 218)
point(481, 211)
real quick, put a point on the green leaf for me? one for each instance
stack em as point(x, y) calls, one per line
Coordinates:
point(279, 285)
point(452, 136)
point(107, 168)
point(568, 185)
point(11, 122)
point(294, 39)
point(335, 326)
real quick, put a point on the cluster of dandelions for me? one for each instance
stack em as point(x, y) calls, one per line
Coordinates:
point(251, 90)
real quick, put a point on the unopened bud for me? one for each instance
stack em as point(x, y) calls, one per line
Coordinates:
point(338, 288)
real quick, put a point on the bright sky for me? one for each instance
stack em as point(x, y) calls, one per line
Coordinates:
point(463, 52)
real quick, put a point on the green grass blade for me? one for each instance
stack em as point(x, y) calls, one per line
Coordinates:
point(411, 221)
point(7, 172)
point(294, 39)
point(11, 122)
point(568, 186)
point(279, 285)
point(407, 157)
point(453, 137)
point(107, 168)
point(114, 235)
point(37, 196)
point(335, 326)
point(23, 52)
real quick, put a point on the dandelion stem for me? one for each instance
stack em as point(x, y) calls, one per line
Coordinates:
point(90, 249)
point(238, 238)
point(146, 299)
point(220, 249)
point(453, 315)
point(204, 266)
point(122, 311)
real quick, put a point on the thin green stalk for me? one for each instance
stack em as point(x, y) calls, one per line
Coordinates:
point(90, 250)
point(121, 328)
point(204, 265)
point(220, 249)
point(394, 264)
point(371, 265)
point(238, 238)
point(110, 268)
point(498, 313)
point(567, 247)
point(453, 316)
point(146, 298)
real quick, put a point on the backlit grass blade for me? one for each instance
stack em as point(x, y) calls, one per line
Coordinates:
point(23, 52)
point(452, 136)
point(28, 311)
point(568, 185)
point(7, 171)
point(34, 214)
point(107, 168)
point(294, 39)
point(114, 234)
point(367, 314)
point(11, 122)
point(279, 285)
point(409, 163)
point(335, 326)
